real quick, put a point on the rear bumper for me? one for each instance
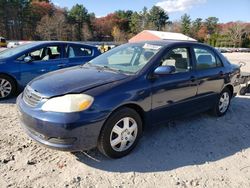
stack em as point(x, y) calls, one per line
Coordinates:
point(66, 132)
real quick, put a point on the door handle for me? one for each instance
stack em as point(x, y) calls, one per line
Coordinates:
point(43, 70)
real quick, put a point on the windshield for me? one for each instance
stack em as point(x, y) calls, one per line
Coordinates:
point(128, 58)
point(13, 51)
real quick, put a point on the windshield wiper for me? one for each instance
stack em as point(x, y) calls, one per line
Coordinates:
point(113, 69)
point(107, 68)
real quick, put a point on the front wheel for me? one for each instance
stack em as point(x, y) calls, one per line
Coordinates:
point(223, 103)
point(120, 133)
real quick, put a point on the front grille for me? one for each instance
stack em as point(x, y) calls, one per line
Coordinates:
point(31, 97)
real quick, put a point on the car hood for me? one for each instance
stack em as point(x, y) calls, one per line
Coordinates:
point(74, 80)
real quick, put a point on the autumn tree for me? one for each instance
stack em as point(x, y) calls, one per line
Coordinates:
point(103, 26)
point(202, 34)
point(38, 9)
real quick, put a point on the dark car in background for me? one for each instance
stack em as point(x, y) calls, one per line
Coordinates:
point(107, 102)
point(20, 65)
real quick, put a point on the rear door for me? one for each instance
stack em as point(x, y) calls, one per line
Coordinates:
point(210, 74)
point(44, 59)
point(173, 94)
point(79, 54)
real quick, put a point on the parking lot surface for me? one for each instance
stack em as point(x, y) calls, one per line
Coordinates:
point(198, 151)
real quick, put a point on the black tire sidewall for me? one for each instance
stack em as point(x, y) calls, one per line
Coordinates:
point(104, 140)
point(243, 91)
point(13, 86)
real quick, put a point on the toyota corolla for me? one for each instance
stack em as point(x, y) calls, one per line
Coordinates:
point(108, 102)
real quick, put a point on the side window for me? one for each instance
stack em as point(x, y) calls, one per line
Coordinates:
point(43, 54)
point(219, 62)
point(78, 51)
point(179, 58)
point(36, 55)
point(54, 52)
point(206, 59)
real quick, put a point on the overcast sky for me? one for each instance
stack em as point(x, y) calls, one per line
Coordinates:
point(225, 10)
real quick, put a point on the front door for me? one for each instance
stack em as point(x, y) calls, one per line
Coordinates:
point(43, 60)
point(171, 93)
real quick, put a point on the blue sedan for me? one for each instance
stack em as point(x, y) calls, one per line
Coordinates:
point(20, 65)
point(107, 102)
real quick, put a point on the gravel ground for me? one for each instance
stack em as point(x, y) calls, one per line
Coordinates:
point(2, 49)
point(199, 151)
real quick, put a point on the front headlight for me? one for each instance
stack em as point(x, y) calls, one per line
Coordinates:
point(68, 103)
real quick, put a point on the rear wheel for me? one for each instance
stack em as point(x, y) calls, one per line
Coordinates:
point(120, 133)
point(223, 103)
point(7, 87)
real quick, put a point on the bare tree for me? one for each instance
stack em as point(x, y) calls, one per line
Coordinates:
point(236, 32)
point(53, 27)
point(119, 36)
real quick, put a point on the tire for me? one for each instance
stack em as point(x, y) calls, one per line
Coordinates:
point(124, 137)
point(243, 91)
point(223, 102)
point(8, 87)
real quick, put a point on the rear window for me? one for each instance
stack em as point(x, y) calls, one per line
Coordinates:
point(3, 40)
point(206, 59)
point(78, 51)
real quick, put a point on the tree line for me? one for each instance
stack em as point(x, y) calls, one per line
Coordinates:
point(42, 20)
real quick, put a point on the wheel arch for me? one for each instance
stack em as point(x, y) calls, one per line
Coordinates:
point(132, 106)
point(10, 76)
point(231, 89)
point(137, 108)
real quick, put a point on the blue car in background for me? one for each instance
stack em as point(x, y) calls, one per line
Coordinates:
point(18, 66)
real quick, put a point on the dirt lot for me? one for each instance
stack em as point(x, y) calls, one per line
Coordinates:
point(2, 49)
point(200, 151)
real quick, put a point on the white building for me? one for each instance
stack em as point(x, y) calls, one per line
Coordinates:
point(148, 35)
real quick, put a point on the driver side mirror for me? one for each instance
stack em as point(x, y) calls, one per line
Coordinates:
point(164, 70)
point(27, 59)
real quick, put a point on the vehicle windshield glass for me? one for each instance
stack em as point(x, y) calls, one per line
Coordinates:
point(13, 51)
point(128, 58)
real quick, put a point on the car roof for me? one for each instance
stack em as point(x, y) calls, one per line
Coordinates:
point(59, 42)
point(168, 42)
